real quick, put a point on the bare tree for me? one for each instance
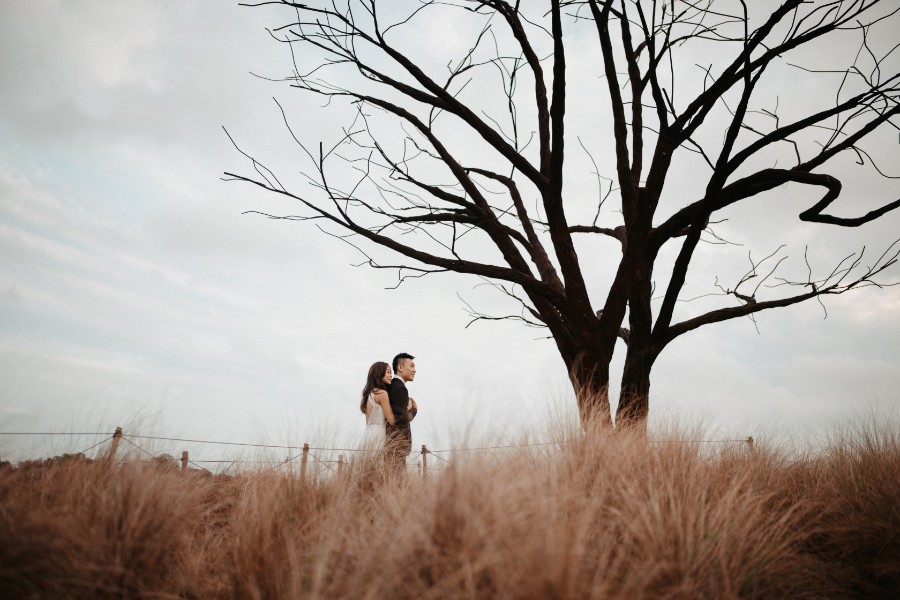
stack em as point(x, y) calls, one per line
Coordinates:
point(458, 164)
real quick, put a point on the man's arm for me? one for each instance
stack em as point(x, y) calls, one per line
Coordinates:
point(399, 396)
point(412, 410)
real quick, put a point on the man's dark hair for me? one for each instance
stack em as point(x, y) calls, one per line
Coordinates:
point(397, 359)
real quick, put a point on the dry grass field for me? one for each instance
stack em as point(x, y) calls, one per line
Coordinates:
point(607, 515)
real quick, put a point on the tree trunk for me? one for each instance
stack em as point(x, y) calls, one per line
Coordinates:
point(589, 374)
point(634, 398)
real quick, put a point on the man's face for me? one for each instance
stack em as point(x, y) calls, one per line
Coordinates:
point(406, 369)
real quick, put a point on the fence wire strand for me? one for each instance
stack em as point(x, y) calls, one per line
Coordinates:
point(138, 447)
point(52, 433)
point(411, 460)
point(431, 452)
point(97, 444)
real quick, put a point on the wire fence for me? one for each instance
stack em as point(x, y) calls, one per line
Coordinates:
point(315, 461)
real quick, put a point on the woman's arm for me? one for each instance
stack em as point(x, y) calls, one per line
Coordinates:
point(381, 397)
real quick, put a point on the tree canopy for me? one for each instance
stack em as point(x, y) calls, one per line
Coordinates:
point(581, 155)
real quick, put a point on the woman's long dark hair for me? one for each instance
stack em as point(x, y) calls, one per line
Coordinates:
point(375, 379)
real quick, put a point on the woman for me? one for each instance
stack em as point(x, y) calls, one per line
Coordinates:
point(376, 405)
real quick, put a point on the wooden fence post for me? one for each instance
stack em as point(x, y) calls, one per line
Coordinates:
point(750, 443)
point(424, 462)
point(115, 446)
point(340, 464)
point(303, 461)
point(184, 460)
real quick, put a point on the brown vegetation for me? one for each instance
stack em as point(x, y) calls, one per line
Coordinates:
point(605, 516)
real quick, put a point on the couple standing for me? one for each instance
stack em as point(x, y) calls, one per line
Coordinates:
point(389, 409)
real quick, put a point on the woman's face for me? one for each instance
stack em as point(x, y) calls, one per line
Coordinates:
point(387, 376)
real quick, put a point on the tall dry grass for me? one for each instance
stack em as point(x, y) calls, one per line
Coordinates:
point(604, 516)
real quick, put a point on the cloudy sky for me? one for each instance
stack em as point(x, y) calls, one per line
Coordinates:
point(134, 292)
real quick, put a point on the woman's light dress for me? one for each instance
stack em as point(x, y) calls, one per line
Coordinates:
point(374, 437)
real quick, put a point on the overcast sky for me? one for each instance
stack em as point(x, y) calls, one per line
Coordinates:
point(134, 292)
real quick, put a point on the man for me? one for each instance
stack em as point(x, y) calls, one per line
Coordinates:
point(399, 435)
